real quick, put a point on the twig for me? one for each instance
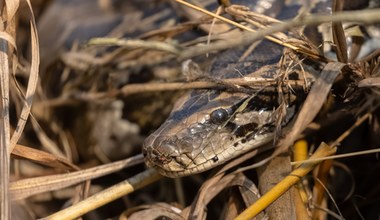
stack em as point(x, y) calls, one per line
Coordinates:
point(106, 196)
point(130, 89)
point(280, 188)
point(153, 45)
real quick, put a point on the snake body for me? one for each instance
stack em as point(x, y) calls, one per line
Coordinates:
point(209, 127)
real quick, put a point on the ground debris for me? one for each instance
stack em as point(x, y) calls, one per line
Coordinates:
point(103, 75)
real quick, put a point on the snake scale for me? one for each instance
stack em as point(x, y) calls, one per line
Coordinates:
point(208, 127)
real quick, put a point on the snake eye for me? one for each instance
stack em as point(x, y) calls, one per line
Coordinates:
point(219, 116)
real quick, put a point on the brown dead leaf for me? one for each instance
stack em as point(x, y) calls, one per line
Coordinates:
point(338, 34)
point(310, 109)
point(31, 186)
point(12, 7)
point(369, 82)
point(155, 211)
point(32, 82)
point(312, 105)
point(41, 157)
point(213, 187)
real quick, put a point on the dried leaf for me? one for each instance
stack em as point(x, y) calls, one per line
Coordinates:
point(312, 105)
point(213, 187)
point(32, 82)
point(369, 82)
point(339, 37)
point(41, 157)
point(156, 211)
point(27, 187)
point(12, 6)
point(4, 128)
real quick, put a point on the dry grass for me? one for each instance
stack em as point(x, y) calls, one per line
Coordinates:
point(83, 113)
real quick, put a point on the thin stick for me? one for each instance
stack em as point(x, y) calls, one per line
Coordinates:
point(106, 196)
point(364, 152)
point(285, 184)
point(130, 89)
point(235, 23)
point(135, 43)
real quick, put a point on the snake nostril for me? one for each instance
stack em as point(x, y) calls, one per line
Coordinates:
point(144, 152)
point(162, 154)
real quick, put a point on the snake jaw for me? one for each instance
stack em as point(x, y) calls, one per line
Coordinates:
point(163, 154)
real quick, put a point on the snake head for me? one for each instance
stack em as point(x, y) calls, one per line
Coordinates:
point(178, 150)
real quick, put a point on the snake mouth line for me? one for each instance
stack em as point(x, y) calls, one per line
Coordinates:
point(174, 166)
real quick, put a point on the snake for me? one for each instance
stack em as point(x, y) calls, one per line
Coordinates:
point(209, 127)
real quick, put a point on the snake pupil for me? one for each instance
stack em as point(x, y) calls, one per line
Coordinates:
point(219, 116)
point(215, 159)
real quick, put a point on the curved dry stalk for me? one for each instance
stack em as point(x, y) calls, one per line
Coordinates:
point(32, 81)
point(24, 188)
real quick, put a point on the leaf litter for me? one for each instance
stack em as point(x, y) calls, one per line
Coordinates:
point(109, 74)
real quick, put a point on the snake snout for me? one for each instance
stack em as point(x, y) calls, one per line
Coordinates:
point(161, 154)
